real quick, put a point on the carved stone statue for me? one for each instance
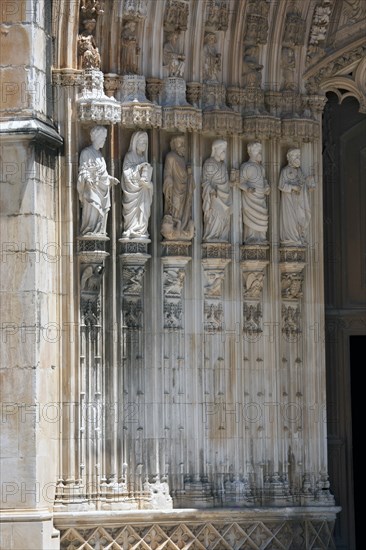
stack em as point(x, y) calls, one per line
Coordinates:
point(130, 49)
point(288, 68)
point(252, 70)
point(89, 57)
point(93, 185)
point(254, 285)
point(216, 195)
point(178, 192)
point(211, 59)
point(255, 189)
point(295, 208)
point(173, 60)
point(137, 188)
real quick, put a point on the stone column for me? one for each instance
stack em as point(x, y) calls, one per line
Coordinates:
point(31, 252)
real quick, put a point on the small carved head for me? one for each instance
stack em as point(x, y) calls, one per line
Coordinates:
point(255, 151)
point(294, 157)
point(98, 135)
point(219, 148)
point(178, 144)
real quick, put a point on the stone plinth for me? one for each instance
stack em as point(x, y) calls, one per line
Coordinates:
point(93, 105)
point(92, 248)
point(289, 527)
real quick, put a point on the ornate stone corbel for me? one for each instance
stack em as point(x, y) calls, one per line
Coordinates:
point(136, 109)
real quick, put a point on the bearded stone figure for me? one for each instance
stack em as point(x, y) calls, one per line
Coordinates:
point(178, 189)
point(216, 195)
point(295, 206)
point(137, 188)
point(93, 185)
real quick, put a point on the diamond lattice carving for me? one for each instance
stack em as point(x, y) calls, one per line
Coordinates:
point(249, 535)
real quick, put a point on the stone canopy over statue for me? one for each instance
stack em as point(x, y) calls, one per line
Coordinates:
point(295, 207)
point(137, 188)
point(216, 195)
point(255, 189)
point(93, 185)
point(178, 189)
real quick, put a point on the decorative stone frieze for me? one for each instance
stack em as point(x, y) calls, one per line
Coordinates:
point(67, 77)
point(255, 254)
point(300, 129)
point(222, 122)
point(261, 127)
point(221, 530)
point(182, 119)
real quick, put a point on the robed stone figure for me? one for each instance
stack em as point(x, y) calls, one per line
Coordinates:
point(94, 184)
point(295, 206)
point(216, 195)
point(178, 193)
point(137, 188)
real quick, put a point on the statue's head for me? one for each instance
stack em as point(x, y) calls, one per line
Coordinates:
point(219, 148)
point(294, 157)
point(210, 38)
point(139, 143)
point(89, 24)
point(178, 144)
point(98, 135)
point(254, 149)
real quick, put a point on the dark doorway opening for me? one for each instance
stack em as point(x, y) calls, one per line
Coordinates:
point(357, 346)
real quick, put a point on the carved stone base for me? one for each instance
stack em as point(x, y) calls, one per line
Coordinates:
point(254, 256)
point(216, 250)
point(182, 119)
point(289, 527)
point(92, 248)
point(252, 100)
point(174, 92)
point(134, 246)
point(214, 96)
point(176, 248)
point(133, 88)
point(293, 254)
point(93, 104)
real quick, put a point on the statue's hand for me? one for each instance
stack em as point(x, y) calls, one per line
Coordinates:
point(250, 189)
point(113, 180)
